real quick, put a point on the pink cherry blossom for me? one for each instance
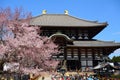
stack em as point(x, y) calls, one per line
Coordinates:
point(27, 47)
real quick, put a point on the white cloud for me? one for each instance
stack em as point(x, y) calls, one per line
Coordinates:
point(115, 53)
point(116, 33)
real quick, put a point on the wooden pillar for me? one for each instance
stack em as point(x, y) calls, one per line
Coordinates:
point(65, 53)
point(72, 52)
point(79, 57)
point(99, 52)
point(79, 54)
point(93, 56)
point(104, 51)
point(86, 59)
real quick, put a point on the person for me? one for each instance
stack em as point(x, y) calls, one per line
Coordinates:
point(52, 77)
point(61, 78)
point(90, 78)
point(95, 78)
point(72, 77)
point(68, 78)
point(43, 78)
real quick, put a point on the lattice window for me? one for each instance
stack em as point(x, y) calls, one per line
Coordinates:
point(90, 63)
point(83, 63)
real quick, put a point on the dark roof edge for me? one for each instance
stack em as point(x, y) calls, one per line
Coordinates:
point(103, 41)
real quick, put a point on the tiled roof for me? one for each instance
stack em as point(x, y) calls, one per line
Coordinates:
point(63, 20)
point(102, 65)
point(95, 44)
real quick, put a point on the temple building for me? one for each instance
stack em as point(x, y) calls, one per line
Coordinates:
point(75, 37)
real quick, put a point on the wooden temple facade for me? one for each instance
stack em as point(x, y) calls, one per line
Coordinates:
point(74, 36)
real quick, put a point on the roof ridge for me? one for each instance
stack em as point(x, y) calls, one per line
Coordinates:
point(96, 21)
point(48, 14)
point(64, 20)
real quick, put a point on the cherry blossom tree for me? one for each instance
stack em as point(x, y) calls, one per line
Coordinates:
point(25, 46)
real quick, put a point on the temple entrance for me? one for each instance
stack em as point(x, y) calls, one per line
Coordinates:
point(73, 65)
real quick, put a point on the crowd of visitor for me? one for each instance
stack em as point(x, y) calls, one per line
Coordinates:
point(73, 77)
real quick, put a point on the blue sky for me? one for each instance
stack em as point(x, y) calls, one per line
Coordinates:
point(101, 10)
